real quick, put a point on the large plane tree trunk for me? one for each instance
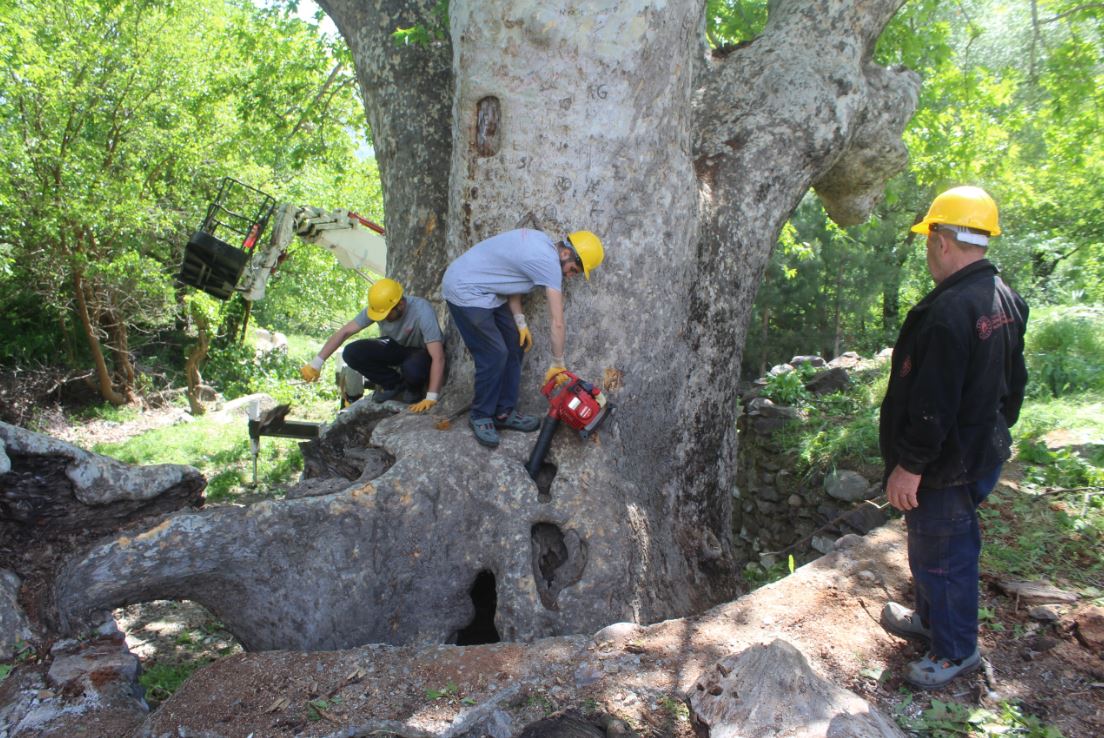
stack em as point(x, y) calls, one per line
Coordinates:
point(606, 116)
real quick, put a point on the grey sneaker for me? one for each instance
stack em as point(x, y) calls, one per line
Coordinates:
point(900, 620)
point(383, 395)
point(517, 421)
point(931, 672)
point(484, 431)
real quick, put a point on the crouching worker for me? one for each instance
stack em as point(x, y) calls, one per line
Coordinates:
point(407, 356)
point(483, 289)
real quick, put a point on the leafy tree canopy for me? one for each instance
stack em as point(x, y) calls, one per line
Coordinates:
point(118, 119)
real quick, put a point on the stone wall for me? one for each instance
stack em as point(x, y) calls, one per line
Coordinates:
point(777, 510)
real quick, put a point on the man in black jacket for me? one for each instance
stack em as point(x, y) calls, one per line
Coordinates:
point(956, 387)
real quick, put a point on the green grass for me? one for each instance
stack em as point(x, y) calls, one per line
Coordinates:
point(218, 446)
point(1080, 412)
point(161, 680)
point(947, 719)
point(107, 411)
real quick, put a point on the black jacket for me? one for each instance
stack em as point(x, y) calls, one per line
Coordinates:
point(958, 380)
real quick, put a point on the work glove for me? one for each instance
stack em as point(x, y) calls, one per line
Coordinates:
point(557, 367)
point(429, 401)
point(312, 371)
point(525, 336)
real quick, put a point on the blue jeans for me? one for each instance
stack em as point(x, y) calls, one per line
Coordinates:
point(944, 544)
point(492, 338)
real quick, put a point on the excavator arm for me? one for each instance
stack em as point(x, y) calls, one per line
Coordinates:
point(356, 243)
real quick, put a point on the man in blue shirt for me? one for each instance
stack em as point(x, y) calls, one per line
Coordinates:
point(483, 289)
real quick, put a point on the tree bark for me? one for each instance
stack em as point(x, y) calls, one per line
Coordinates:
point(191, 367)
point(103, 374)
point(558, 116)
point(57, 499)
point(408, 100)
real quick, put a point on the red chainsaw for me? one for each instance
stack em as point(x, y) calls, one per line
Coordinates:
point(578, 403)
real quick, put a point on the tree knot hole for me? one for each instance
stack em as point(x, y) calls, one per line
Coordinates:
point(488, 119)
point(545, 475)
point(559, 559)
point(484, 597)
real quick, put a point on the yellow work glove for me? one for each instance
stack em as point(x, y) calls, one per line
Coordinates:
point(421, 407)
point(312, 371)
point(525, 336)
point(556, 368)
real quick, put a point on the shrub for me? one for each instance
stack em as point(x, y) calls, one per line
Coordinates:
point(788, 388)
point(1063, 350)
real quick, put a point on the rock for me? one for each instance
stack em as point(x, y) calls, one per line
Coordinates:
point(1041, 644)
point(1089, 628)
point(823, 544)
point(846, 485)
point(497, 725)
point(1039, 593)
point(617, 632)
point(885, 354)
point(14, 626)
point(766, 408)
point(846, 360)
point(91, 667)
point(814, 361)
point(90, 689)
point(1043, 614)
point(827, 382)
point(268, 341)
point(795, 501)
point(770, 690)
point(768, 493)
point(779, 369)
point(865, 518)
point(249, 406)
point(587, 674)
point(848, 541)
point(865, 575)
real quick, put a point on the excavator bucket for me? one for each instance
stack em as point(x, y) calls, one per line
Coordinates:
point(210, 262)
point(212, 265)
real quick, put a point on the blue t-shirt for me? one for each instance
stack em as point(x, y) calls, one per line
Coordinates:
point(511, 263)
point(417, 326)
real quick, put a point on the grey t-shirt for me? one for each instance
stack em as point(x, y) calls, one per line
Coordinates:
point(417, 326)
point(511, 263)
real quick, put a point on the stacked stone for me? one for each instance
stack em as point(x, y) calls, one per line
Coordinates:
point(777, 512)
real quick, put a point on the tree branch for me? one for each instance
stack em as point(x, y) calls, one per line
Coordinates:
point(1072, 11)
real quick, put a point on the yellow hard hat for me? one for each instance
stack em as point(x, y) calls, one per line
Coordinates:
point(967, 206)
point(589, 249)
point(383, 297)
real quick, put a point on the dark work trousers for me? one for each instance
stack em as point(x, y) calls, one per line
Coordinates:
point(387, 363)
point(493, 340)
point(944, 544)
